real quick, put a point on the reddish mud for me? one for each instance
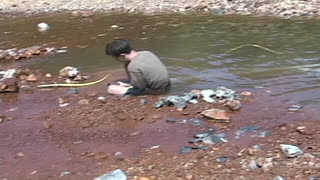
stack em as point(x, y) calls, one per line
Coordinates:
point(40, 140)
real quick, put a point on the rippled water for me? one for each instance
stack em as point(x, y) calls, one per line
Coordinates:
point(192, 46)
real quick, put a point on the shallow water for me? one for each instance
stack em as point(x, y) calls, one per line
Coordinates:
point(192, 46)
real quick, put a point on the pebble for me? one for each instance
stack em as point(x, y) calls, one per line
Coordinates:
point(114, 26)
point(101, 98)
point(48, 75)
point(26, 87)
point(279, 178)
point(20, 154)
point(43, 27)
point(246, 93)
point(32, 78)
point(83, 102)
point(171, 120)
point(65, 173)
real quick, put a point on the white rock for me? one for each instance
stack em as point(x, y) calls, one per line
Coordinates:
point(43, 26)
point(290, 150)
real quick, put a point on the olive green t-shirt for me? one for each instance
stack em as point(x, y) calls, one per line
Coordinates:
point(146, 71)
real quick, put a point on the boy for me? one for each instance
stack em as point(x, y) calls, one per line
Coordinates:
point(147, 74)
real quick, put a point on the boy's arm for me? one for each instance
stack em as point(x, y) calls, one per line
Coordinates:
point(125, 65)
point(137, 80)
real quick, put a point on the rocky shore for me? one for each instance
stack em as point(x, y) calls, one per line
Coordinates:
point(285, 8)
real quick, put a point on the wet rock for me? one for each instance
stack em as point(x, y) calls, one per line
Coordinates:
point(80, 78)
point(141, 178)
point(290, 150)
point(114, 175)
point(178, 102)
point(65, 173)
point(143, 101)
point(2, 118)
point(20, 154)
point(26, 87)
point(114, 26)
point(294, 108)
point(188, 149)
point(209, 138)
point(9, 85)
point(101, 98)
point(279, 178)
point(233, 105)
point(83, 14)
point(246, 93)
point(48, 75)
point(69, 72)
point(222, 159)
point(61, 101)
point(159, 104)
point(207, 95)
point(32, 78)
point(189, 176)
point(216, 114)
point(74, 91)
point(314, 178)
point(10, 73)
point(43, 26)
point(253, 165)
point(215, 139)
point(47, 124)
point(83, 101)
point(171, 120)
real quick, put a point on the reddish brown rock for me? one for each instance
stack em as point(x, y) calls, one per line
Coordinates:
point(246, 93)
point(216, 114)
point(234, 105)
point(32, 78)
point(9, 85)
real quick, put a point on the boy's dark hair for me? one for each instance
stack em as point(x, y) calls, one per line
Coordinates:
point(118, 47)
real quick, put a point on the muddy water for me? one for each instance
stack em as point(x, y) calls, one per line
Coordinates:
point(192, 46)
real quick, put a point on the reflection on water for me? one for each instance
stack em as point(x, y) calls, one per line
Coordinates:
point(192, 46)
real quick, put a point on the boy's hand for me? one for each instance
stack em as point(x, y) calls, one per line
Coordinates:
point(123, 84)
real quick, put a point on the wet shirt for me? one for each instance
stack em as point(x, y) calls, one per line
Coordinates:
point(148, 72)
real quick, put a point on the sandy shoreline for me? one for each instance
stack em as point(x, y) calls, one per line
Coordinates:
point(286, 9)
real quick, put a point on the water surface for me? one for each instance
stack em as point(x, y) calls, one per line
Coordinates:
point(192, 46)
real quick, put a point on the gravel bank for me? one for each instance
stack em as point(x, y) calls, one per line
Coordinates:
point(285, 8)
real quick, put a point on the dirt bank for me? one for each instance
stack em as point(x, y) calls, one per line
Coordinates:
point(286, 8)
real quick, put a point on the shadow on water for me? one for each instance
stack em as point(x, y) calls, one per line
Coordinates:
point(192, 46)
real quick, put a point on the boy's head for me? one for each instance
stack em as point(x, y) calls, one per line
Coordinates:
point(118, 47)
